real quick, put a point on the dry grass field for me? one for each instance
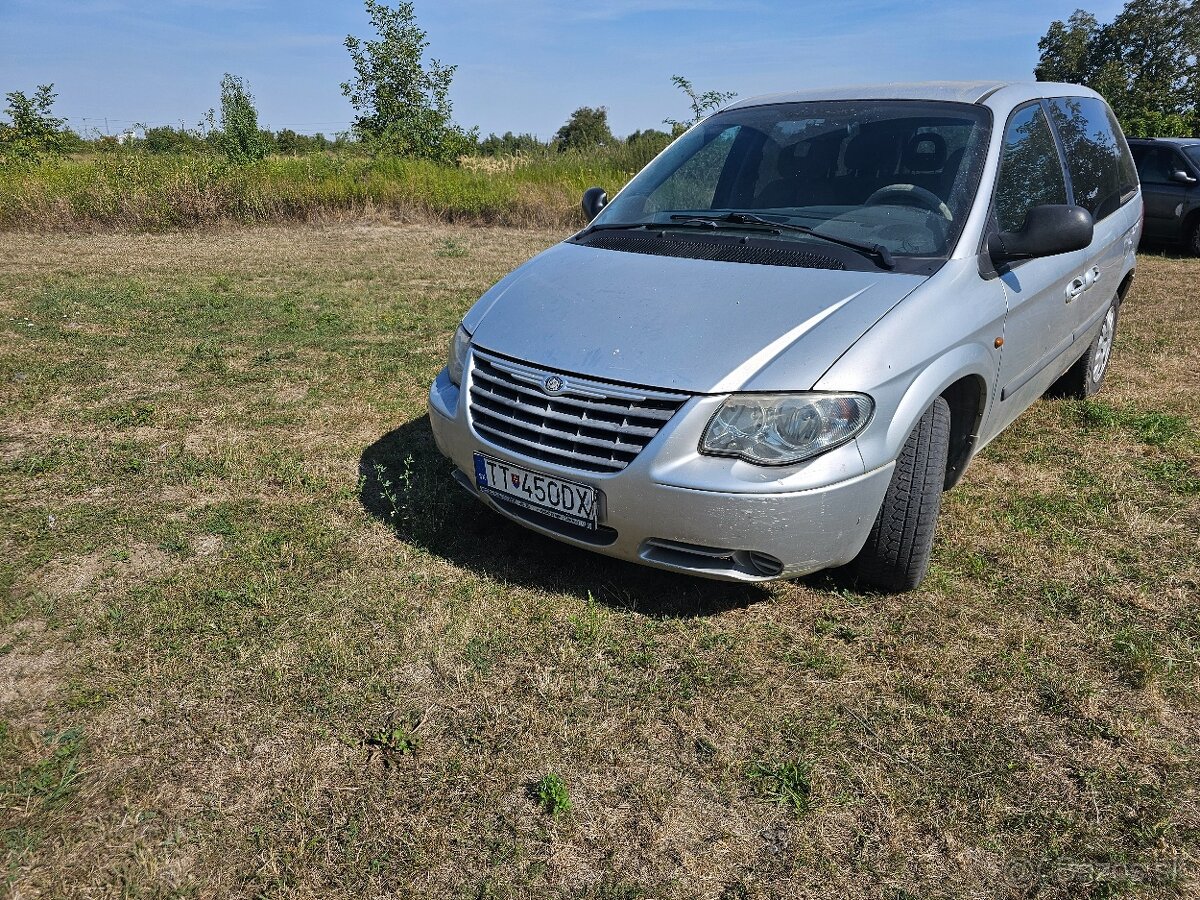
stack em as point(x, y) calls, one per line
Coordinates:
point(254, 644)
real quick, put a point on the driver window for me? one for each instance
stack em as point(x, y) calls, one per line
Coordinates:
point(694, 184)
point(1030, 171)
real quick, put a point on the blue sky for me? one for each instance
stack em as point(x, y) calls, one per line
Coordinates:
point(523, 65)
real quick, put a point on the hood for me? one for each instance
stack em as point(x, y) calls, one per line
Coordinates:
point(697, 326)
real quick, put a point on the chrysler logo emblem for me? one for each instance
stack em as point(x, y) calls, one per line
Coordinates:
point(553, 385)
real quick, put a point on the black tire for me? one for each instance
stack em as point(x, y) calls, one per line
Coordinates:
point(1192, 238)
point(1086, 375)
point(896, 555)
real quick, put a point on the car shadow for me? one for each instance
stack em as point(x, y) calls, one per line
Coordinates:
point(405, 483)
point(1164, 250)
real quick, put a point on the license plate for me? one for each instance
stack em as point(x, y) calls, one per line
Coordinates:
point(567, 501)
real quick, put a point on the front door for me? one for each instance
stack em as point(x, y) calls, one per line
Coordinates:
point(1163, 197)
point(1031, 174)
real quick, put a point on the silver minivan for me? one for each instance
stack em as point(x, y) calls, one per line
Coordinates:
point(781, 342)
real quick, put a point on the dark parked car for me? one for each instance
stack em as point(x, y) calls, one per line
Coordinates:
point(1169, 169)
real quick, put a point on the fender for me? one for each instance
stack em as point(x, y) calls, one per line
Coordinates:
point(909, 394)
point(904, 362)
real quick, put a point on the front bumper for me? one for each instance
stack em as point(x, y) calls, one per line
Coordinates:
point(674, 509)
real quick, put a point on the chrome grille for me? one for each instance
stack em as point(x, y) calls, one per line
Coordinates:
point(590, 425)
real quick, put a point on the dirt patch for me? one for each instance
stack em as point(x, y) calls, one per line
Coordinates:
point(29, 678)
point(70, 576)
point(207, 544)
point(31, 671)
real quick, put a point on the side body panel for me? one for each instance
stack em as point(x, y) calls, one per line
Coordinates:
point(946, 330)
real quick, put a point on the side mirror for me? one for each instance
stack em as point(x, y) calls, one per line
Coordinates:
point(1182, 177)
point(1048, 231)
point(594, 200)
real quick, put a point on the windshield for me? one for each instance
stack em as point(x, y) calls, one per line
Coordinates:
point(896, 174)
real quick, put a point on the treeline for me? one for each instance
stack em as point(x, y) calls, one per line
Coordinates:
point(166, 139)
point(402, 110)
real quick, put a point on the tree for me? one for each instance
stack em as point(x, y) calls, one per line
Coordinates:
point(702, 104)
point(587, 128)
point(1144, 62)
point(510, 144)
point(295, 144)
point(649, 136)
point(403, 103)
point(649, 143)
point(1066, 53)
point(165, 139)
point(239, 137)
point(33, 130)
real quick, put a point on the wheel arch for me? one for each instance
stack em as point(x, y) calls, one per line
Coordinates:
point(961, 377)
point(967, 399)
point(1190, 220)
point(1127, 281)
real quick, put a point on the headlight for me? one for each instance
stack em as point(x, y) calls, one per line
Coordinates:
point(458, 354)
point(781, 429)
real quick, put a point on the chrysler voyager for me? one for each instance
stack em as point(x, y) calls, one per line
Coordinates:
point(778, 345)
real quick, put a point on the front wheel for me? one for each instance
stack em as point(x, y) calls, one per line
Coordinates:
point(896, 555)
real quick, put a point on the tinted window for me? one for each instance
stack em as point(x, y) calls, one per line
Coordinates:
point(1193, 154)
point(1126, 170)
point(1156, 164)
point(1102, 173)
point(1030, 171)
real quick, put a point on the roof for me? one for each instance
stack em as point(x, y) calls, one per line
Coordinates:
point(1176, 142)
point(952, 91)
point(957, 91)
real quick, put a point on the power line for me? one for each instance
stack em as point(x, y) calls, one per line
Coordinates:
point(92, 123)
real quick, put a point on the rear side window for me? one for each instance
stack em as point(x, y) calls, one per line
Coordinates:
point(1030, 171)
point(1102, 171)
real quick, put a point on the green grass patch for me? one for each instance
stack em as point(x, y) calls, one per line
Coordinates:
point(55, 776)
point(551, 793)
point(788, 782)
point(1158, 429)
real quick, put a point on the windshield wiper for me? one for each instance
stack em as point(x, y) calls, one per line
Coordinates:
point(876, 251)
point(705, 222)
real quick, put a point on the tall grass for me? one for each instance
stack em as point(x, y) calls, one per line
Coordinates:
point(141, 191)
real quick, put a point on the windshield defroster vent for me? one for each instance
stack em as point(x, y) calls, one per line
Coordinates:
point(655, 244)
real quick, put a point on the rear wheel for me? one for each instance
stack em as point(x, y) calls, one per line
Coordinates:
point(896, 555)
point(1192, 237)
point(1086, 376)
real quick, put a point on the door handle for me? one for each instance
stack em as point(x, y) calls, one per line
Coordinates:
point(1091, 277)
point(1075, 288)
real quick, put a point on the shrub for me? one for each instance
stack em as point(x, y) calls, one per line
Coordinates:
point(239, 139)
point(403, 104)
point(32, 131)
point(587, 128)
